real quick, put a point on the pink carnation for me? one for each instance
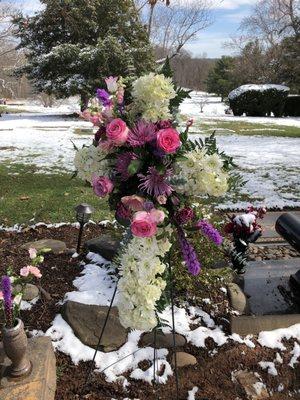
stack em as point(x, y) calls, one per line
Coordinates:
point(117, 131)
point(25, 271)
point(168, 140)
point(102, 185)
point(35, 271)
point(1, 295)
point(32, 252)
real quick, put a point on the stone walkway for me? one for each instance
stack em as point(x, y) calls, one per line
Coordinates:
point(268, 223)
point(266, 282)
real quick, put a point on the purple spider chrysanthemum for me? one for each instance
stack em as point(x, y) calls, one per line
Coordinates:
point(189, 254)
point(143, 132)
point(7, 300)
point(208, 230)
point(104, 97)
point(156, 183)
point(123, 162)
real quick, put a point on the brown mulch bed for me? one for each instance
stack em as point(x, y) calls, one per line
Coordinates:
point(212, 374)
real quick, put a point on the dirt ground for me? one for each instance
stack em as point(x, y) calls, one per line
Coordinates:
point(211, 374)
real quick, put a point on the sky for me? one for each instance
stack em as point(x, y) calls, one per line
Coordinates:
point(227, 15)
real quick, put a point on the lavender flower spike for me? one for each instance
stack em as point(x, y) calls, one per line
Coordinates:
point(208, 230)
point(7, 299)
point(189, 254)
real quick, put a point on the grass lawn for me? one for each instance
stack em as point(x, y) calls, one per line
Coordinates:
point(25, 195)
point(247, 128)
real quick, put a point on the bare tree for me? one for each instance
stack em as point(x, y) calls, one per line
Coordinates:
point(271, 20)
point(172, 27)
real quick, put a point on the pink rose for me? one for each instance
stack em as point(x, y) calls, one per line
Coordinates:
point(96, 120)
point(135, 203)
point(120, 95)
point(102, 185)
point(35, 271)
point(1, 295)
point(143, 225)
point(117, 131)
point(168, 140)
point(32, 252)
point(25, 271)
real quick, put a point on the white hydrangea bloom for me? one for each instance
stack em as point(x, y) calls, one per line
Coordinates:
point(202, 174)
point(140, 287)
point(89, 161)
point(152, 94)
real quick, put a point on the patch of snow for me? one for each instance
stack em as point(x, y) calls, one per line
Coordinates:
point(224, 290)
point(278, 358)
point(273, 339)
point(258, 88)
point(191, 393)
point(27, 305)
point(147, 375)
point(280, 387)
point(269, 366)
point(296, 355)
point(259, 387)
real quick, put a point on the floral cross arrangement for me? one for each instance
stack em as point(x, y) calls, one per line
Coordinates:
point(150, 170)
point(13, 286)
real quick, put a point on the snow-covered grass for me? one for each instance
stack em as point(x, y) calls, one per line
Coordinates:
point(42, 143)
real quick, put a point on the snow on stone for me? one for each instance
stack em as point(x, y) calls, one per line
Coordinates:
point(191, 393)
point(259, 88)
point(269, 366)
point(296, 355)
point(273, 339)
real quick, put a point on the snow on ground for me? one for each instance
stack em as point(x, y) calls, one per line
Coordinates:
point(215, 109)
point(270, 165)
point(95, 286)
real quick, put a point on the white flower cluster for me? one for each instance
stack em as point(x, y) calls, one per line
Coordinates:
point(140, 287)
point(152, 94)
point(89, 161)
point(203, 174)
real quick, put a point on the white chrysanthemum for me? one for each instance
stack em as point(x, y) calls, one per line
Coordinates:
point(202, 174)
point(152, 94)
point(140, 285)
point(89, 161)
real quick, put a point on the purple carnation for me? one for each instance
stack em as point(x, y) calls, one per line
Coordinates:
point(184, 215)
point(208, 230)
point(104, 97)
point(189, 254)
point(7, 299)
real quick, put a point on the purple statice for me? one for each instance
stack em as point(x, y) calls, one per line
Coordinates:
point(148, 206)
point(189, 254)
point(208, 230)
point(104, 97)
point(7, 300)
point(156, 183)
point(123, 162)
point(143, 132)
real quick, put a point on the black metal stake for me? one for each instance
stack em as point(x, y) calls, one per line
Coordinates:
point(100, 337)
point(79, 238)
point(173, 328)
point(154, 359)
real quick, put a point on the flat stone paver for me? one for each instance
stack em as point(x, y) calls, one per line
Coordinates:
point(263, 283)
point(41, 383)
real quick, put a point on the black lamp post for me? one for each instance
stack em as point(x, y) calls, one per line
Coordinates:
point(83, 213)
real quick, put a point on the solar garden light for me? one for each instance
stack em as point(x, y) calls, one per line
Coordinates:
point(83, 213)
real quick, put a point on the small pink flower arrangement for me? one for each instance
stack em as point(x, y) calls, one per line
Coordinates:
point(30, 269)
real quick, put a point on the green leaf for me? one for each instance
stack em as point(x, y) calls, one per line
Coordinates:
point(134, 167)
